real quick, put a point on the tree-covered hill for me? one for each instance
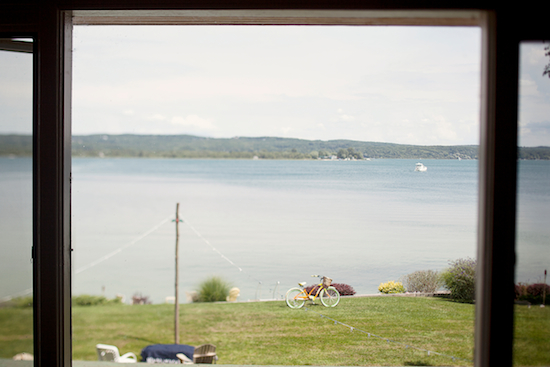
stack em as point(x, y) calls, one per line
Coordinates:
point(189, 146)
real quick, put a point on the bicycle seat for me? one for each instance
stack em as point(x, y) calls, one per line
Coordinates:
point(302, 284)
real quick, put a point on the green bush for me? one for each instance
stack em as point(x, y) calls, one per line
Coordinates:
point(391, 287)
point(22, 302)
point(459, 278)
point(213, 289)
point(533, 293)
point(89, 300)
point(425, 281)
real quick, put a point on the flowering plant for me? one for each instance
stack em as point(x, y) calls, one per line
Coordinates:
point(343, 289)
point(391, 287)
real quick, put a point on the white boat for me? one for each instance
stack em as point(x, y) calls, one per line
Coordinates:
point(420, 167)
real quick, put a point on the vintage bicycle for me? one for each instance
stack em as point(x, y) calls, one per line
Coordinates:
point(330, 297)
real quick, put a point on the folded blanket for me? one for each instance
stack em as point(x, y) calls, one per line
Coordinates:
point(166, 353)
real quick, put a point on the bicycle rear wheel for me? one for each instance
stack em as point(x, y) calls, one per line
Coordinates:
point(295, 297)
point(330, 297)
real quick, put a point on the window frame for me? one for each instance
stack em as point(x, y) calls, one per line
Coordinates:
point(50, 23)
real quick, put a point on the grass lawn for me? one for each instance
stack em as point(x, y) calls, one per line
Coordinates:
point(270, 333)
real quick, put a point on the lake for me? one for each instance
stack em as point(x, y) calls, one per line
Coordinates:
point(264, 225)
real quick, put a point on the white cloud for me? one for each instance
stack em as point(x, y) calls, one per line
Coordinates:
point(158, 117)
point(193, 121)
point(445, 130)
point(535, 53)
point(527, 86)
point(347, 117)
point(269, 81)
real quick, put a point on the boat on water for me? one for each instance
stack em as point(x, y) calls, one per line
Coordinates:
point(420, 167)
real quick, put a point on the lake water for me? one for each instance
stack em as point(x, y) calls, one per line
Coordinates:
point(264, 225)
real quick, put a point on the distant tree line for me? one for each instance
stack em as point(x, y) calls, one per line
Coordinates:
point(189, 146)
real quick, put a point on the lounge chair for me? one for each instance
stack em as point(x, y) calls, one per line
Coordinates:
point(110, 353)
point(184, 359)
point(205, 353)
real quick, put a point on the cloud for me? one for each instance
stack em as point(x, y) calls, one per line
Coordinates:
point(528, 87)
point(229, 82)
point(345, 117)
point(158, 117)
point(193, 121)
point(533, 52)
point(445, 130)
point(534, 134)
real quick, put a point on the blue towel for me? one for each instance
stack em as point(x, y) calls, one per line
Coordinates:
point(166, 353)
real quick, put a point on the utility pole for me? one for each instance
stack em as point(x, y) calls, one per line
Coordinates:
point(544, 290)
point(177, 303)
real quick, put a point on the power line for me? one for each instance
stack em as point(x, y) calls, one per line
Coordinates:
point(219, 252)
point(98, 261)
point(118, 250)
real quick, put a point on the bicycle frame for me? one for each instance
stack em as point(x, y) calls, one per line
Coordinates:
point(329, 296)
point(307, 296)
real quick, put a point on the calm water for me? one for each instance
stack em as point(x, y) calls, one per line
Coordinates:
point(274, 222)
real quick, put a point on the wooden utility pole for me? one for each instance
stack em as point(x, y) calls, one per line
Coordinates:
point(177, 303)
point(544, 290)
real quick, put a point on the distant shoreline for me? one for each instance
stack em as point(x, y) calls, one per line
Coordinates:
point(196, 147)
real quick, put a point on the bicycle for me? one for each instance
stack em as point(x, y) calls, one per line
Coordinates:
point(330, 297)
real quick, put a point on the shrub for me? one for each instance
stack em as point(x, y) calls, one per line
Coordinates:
point(139, 299)
point(22, 302)
point(213, 289)
point(88, 300)
point(343, 289)
point(459, 278)
point(521, 291)
point(391, 287)
point(532, 293)
point(425, 281)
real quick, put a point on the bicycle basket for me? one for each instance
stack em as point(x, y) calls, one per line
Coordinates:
point(327, 282)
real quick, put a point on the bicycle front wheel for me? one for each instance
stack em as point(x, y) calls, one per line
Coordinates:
point(295, 297)
point(330, 297)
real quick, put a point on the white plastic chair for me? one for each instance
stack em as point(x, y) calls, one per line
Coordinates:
point(110, 353)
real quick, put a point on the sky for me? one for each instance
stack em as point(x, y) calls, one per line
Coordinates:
point(534, 92)
point(407, 85)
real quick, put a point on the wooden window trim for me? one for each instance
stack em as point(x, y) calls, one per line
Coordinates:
point(51, 22)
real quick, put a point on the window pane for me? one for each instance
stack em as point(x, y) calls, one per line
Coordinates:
point(532, 319)
point(16, 319)
point(210, 117)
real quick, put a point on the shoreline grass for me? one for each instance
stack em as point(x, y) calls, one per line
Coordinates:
point(270, 333)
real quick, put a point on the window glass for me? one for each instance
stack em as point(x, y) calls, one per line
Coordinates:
point(16, 315)
point(292, 151)
point(532, 318)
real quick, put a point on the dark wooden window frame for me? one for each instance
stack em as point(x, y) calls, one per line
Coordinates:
point(49, 22)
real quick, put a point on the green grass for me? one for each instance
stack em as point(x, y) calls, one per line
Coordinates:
point(15, 331)
point(532, 336)
point(269, 333)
